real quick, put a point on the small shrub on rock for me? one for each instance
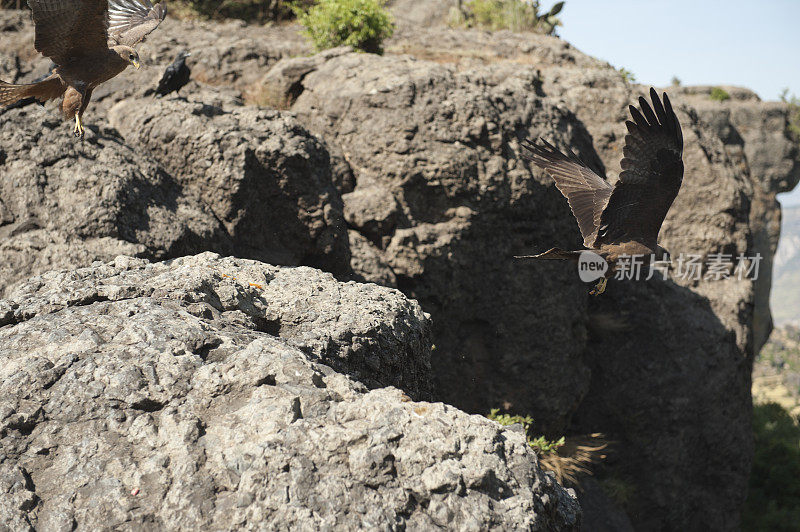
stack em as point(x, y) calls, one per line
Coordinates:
point(719, 95)
point(539, 444)
point(569, 461)
point(362, 24)
point(627, 75)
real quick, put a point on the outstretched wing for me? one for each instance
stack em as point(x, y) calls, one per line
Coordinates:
point(132, 20)
point(66, 29)
point(586, 192)
point(652, 172)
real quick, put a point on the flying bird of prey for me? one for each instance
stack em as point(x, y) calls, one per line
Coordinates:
point(90, 42)
point(175, 77)
point(623, 220)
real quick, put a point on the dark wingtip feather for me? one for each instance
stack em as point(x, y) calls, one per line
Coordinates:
point(675, 125)
point(659, 108)
point(638, 118)
point(648, 112)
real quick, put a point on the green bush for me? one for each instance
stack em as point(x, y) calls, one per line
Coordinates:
point(362, 24)
point(773, 501)
point(719, 95)
point(514, 15)
point(539, 444)
point(627, 75)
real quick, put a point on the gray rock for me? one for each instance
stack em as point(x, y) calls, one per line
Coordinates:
point(756, 137)
point(263, 175)
point(444, 140)
point(165, 396)
point(372, 211)
point(172, 187)
point(68, 203)
point(369, 264)
point(441, 190)
point(230, 53)
point(437, 130)
point(416, 13)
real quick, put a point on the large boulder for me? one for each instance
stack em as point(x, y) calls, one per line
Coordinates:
point(68, 203)
point(756, 136)
point(444, 200)
point(264, 191)
point(199, 394)
point(441, 137)
point(263, 176)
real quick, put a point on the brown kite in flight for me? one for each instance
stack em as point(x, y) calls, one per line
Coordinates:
point(90, 42)
point(622, 220)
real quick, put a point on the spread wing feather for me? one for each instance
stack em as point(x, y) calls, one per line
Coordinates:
point(586, 192)
point(652, 172)
point(131, 20)
point(66, 29)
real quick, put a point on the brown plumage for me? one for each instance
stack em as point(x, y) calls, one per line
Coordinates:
point(90, 42)
point(624, 219)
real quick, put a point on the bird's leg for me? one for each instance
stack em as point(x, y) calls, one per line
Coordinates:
point(85, 95)
point(600, 287)
point(78, 131)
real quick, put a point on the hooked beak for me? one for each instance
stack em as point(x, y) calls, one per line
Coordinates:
point(135, 64)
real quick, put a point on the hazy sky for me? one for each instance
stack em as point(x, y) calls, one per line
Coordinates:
point(702, 42)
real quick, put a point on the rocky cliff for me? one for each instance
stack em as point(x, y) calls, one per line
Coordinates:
point(201, 394)
point(404, 170)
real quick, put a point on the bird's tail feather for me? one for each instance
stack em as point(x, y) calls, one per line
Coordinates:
point(47, 89)
point(553, 254)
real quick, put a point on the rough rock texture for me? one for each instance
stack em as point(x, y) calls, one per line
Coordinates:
point(67, 203)
point(757, 138)
point(180, 396)
point(441, 137)
point(446, 203)
point(264, 177)
point(414, 14)
point(230, 53)
point(174, 187)
point(422, 150)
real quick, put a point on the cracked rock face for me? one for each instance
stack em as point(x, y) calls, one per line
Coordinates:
point(200, 394)
point(443, 202)
point(441, 137)
point(171, 188)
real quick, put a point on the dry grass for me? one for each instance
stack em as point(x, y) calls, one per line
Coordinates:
point(575, 458)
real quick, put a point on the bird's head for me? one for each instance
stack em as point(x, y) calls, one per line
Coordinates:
point(128, 54)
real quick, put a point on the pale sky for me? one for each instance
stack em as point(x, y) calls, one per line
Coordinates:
point(702, 42)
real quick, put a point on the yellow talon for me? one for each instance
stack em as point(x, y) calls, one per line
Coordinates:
point(600, 288)
point(78, 131)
